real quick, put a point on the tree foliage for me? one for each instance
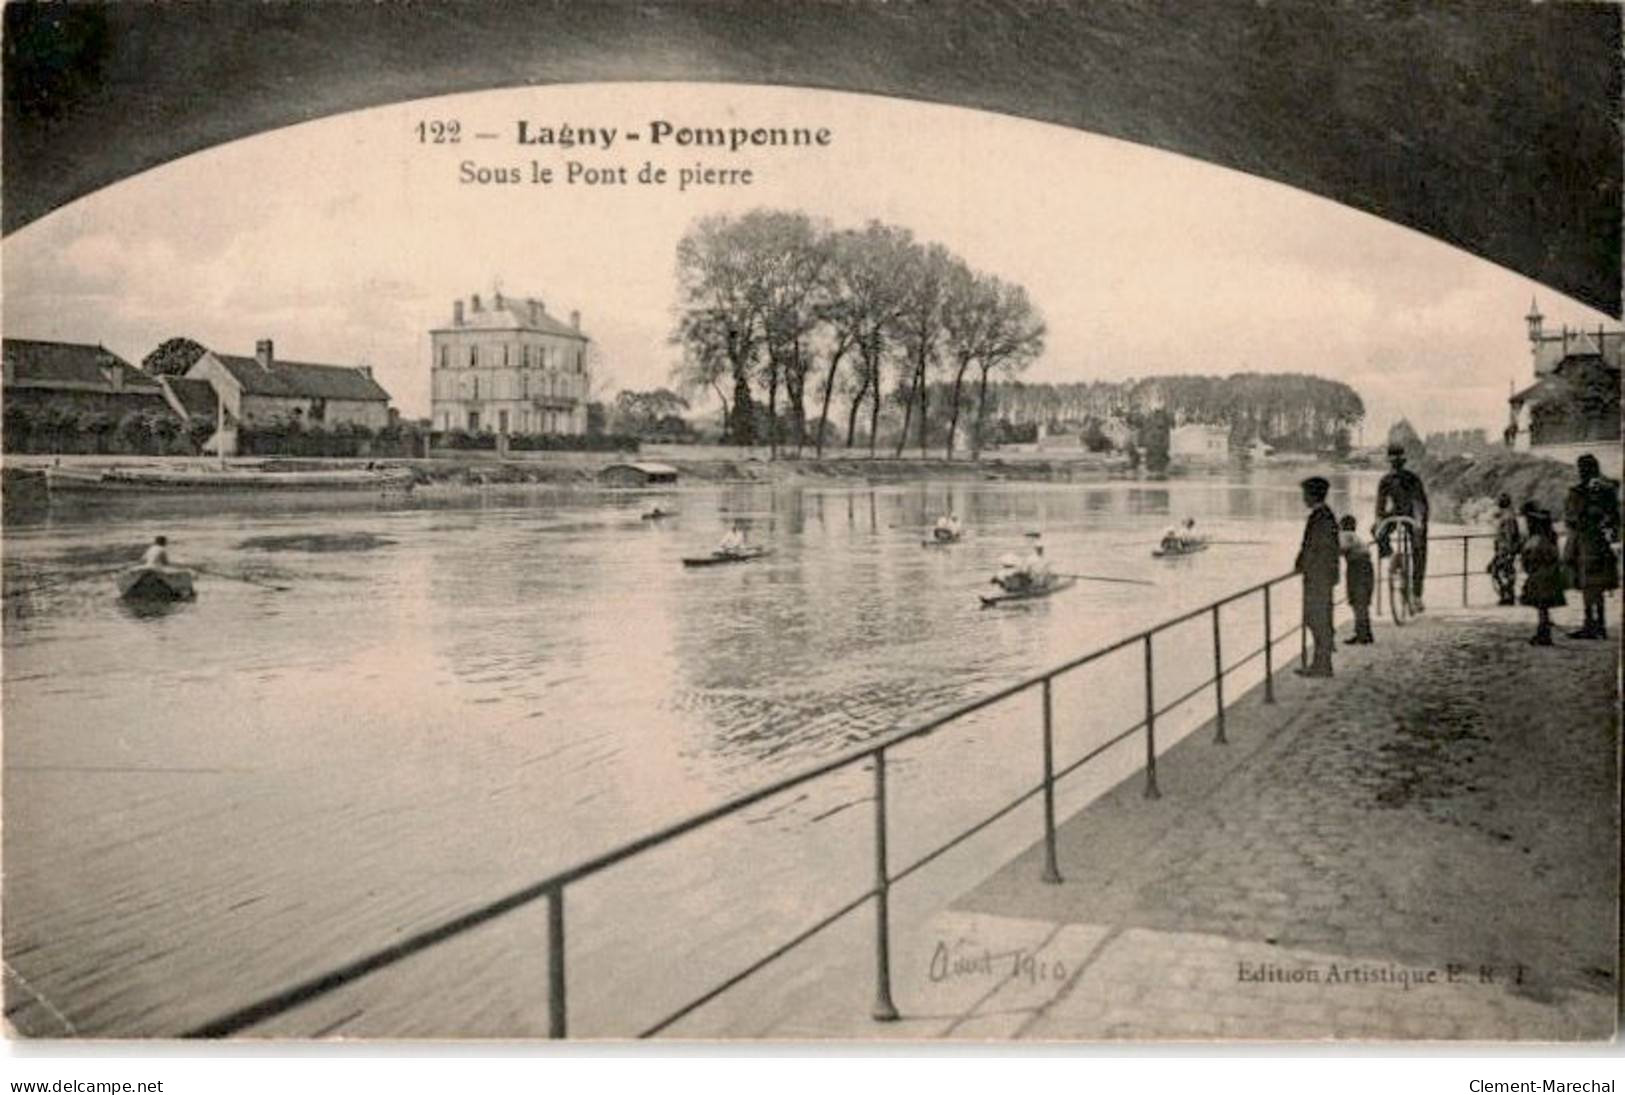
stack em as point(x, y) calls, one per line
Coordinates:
point(173, 357)
point(776, 301)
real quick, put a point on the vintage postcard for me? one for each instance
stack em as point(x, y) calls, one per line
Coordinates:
point(968, 523)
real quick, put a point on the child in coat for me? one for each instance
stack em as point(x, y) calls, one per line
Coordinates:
point(1543, 586)
point(1361, 577)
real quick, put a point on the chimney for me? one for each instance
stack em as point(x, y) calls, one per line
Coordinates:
point(457, 313)
point(474, 301)
point(575, 320)
point(263, 354)
point(535, 312)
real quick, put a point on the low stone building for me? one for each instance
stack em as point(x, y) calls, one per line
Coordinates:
point(262, 389)
point(1198, 443)
point(79, 377)
point(641, 473)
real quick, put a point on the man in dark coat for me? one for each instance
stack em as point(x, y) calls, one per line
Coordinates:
point(1591, 512)
point(1318, 563)
point(1401, 494)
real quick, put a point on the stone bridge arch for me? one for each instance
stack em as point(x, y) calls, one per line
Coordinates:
point(1492, 125)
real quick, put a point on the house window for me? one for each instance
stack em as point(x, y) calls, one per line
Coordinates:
point(473, 356)
point(524, 355)
point(476, 388)
point(502, 422)
point(473, 421)
point(524, 384)
point(318, 410)
point(445, 356)
point(504, 355)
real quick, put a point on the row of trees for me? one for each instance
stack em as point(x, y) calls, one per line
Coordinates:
point(775, 302)
point(1288, 410)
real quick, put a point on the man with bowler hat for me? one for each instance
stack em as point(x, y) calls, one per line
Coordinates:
point(1318, 563)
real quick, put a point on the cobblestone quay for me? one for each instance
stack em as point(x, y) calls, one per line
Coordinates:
point(1422, 848)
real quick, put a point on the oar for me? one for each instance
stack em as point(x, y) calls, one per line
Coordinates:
point(1237, 541)
point(102, 573)
point(1103, 578)
point(240, 578)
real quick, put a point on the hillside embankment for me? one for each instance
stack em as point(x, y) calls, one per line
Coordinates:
point(1464, 488)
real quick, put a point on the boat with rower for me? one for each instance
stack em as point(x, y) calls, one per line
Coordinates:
point(1031, 593)
point(717, 558)
point(150, 583)
point(1169, 549)
point(146, 480)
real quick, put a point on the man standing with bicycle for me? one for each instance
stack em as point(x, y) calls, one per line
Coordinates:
point(1401, 494)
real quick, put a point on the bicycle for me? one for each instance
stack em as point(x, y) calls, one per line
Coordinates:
point(1401, 565)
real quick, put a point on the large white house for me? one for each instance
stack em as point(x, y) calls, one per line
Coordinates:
point(506, 366)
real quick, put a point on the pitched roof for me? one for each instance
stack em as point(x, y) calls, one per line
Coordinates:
point(79, 363)
point(504, 313)
point(302, 380)
point(195, 395)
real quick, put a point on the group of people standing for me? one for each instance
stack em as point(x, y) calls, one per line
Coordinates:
point(1331, 545)
point(1585, 563)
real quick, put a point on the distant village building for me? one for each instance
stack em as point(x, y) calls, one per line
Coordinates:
point(509, 367)
point(1573, 406)
point(1198, 443)
point(261, 389)
point(79, 377)
point(1260, 449)
point(637, 474)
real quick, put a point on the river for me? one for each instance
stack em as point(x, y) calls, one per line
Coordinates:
point(457, 695)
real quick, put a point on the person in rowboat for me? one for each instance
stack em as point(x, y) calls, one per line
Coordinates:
point(947, 527)
point(157, 554)
point(734, 543)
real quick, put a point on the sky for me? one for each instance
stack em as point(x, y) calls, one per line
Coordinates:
point(346, 239)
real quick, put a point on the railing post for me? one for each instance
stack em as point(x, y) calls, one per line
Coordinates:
point(884, 1010)
point(557, 1023)
point(1218, 677)
point(1052, 870)
point(1150, 725)
point(1464, 572)
point(1269, 652)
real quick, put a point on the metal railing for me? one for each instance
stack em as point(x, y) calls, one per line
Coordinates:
point(552, 888)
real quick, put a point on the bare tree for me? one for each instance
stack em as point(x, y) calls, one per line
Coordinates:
point(719, 301)
point(918, 326)
point(793, 256)
point(968, 326)
point(1015, 339)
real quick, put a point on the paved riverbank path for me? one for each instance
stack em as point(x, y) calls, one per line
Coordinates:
point(1424, 847)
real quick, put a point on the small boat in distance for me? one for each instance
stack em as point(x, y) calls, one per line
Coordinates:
point(657, 514)
point(716, 558)
point(942, 541)
point(1054, 585)
point(1184, 547)
point(144, 583)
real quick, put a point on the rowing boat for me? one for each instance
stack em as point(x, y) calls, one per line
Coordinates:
point(716, 558)
point(943, 541)
point(1186, 549)
point(1055, 586)
point(146, 583)
point(659, 514)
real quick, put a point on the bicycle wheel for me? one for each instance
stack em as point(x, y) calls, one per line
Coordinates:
point(1399, 577)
